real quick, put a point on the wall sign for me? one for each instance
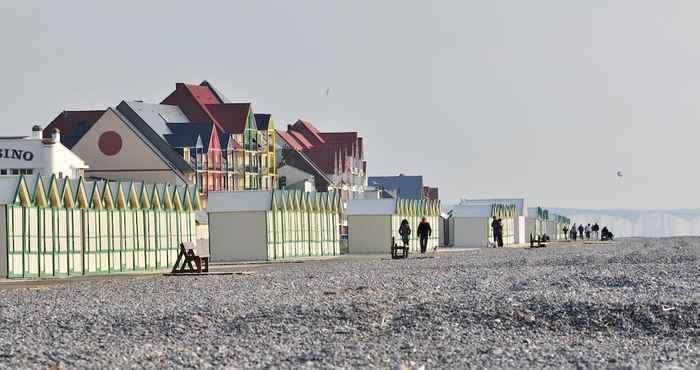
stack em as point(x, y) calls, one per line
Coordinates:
point(16, 154)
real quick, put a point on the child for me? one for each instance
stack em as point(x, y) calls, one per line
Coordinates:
point(405, 232)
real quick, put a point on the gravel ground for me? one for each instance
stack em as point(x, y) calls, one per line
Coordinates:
point(635, 304)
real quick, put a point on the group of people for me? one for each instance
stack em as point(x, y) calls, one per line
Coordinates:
point(424, 232)
point(587, 232)
point(497, 228)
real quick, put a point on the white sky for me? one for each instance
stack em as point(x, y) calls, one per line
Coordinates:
point(541, 99)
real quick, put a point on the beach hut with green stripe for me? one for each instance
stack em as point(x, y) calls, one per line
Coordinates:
point(273, 225)
point(373, 222)
point(57, 227)
point(536, 223)
point(470, 225)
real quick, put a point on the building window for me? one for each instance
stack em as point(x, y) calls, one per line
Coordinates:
point(15, 171)
point(3, 171)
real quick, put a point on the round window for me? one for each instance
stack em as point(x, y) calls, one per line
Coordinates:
point(110, 143)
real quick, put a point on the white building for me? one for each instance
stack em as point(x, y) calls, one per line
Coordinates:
point(31, 155)
point(519, 221)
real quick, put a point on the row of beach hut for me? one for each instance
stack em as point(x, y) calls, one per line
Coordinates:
point(61, 227)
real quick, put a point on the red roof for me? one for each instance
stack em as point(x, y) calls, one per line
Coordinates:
point(232, 117)
point(310, 132)
point(73, 125)
point(289, 139)
point(323, 159)
point(301, 139)
point(193, 101)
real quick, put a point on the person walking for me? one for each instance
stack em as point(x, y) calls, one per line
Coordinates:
point(573, 232)
point(500, 233)
point(494, 228)
point(595, 230)
point(405, 232)
point(423, 232)
point(588, 232)
point(580, 231)
point(566, 232)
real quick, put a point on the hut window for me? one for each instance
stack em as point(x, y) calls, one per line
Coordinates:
point(15, 171)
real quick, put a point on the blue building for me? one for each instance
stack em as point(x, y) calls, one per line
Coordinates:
point(405, 187)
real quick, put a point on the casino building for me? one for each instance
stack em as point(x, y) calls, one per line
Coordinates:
point(32, 155)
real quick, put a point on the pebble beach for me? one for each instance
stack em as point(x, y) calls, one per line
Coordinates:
point(631, 304)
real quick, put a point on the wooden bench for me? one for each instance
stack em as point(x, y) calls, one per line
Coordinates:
point(189, 252)
point(395, 248)
point(539, 242)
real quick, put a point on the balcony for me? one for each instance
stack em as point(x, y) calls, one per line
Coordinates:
point(252, 169)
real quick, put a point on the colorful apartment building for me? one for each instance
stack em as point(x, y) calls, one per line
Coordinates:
point(199, 135)
point(204, 103)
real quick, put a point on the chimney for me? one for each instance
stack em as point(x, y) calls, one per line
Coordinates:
point(56, 136)
point(36, 132)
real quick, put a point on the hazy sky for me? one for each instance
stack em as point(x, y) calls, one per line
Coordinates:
point(540, 99)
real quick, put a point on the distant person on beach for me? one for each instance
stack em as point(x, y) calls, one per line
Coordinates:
point(405, 232)
point(580, 231)
point(494, 228)
point(566, 232)
point(573, 232)
point(500, 233)
point(605, 234)
point(423, 232)
point(588, 232)
point(595, 228)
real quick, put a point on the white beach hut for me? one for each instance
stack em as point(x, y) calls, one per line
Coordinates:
point(273, 225)
point(470, 225)
point(521, 209)
point(536, 223)
point(373, 222)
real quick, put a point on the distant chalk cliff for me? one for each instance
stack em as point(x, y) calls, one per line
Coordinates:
point(639, 223)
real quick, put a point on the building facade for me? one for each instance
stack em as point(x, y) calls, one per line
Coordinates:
point(33, 155)
point(195, 136)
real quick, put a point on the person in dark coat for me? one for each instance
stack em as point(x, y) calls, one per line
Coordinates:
point(405, 232)
point(494, 228)
point(500, 233)
point(423, 232)
point(566, 232)
point(573, 232)
point(580, 231)
point(595, 230)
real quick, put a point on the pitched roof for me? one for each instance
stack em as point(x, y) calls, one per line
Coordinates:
point(262, 120)
point(297, 159)
point(192, 100)
point(289, 139)
point(186, 135)
point(216, 91)
point(161, 146)
point(232, 117)
point(158, 116)
point(308, 130)
point(306, 144)
point(224, 138)
point(73, 125)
